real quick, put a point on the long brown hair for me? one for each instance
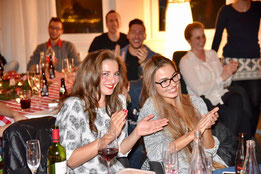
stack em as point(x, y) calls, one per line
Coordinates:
point(87, 80)
point(183, 115)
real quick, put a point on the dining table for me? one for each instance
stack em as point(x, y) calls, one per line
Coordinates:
point(228, 170)
point(39, 103)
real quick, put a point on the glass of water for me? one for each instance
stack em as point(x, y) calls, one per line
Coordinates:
point(33, 155)
point(170, 158)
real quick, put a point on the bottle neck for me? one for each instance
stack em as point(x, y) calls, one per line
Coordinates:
point(56, 136)
point(250, 153)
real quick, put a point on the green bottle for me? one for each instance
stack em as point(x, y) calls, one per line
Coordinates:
point(56, 155)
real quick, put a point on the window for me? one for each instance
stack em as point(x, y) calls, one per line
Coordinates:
point(80, 16)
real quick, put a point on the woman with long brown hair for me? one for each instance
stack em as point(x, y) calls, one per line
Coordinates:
point(95, 103)
point(161, 96)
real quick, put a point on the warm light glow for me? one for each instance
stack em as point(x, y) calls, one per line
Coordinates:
point(20, 83)
point(178, 16)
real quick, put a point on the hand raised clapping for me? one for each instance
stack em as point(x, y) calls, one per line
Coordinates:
point(118, 120)
point(147, 126)
point(229, 69)
point(207, 120)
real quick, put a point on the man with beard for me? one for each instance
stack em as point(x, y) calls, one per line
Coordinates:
point(136, 53)
point(62, 49)
point(113, 39)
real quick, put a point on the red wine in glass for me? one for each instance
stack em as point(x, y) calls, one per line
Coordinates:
point(25, 103)
point(107, 146)
point(108, 153)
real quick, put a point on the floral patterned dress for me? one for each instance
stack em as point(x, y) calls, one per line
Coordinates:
point(75, 132)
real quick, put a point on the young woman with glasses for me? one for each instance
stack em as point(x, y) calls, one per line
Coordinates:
point(161, 96)
point(96, 102)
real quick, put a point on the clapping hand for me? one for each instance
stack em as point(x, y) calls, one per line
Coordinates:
point(207, 120)
point(117, 52)
point(147, 126)
point(118, 120)
point(142, 54)
point(229, 69)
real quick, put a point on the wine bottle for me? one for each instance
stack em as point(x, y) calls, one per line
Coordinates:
point(44, 89)
point(240, 155)
point(56, 155)
point(1, 69)
point(1, 159)
point(27, 84)
point(198, 163)
point(1, 165)
point(51, 68)
point(63, 90)
point(250, 164)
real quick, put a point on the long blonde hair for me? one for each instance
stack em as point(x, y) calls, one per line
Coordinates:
point(87, 80)
point(183, 115)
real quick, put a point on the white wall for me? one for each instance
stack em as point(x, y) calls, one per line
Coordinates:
point(146, 10)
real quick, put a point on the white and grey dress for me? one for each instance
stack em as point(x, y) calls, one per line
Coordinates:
point(154, 142)
point(75, 132)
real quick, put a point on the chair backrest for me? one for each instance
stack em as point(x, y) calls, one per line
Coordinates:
point(14, 143)
point(156, 167)
point(177, 55)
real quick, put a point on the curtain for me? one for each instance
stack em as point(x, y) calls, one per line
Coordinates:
point(24, 25)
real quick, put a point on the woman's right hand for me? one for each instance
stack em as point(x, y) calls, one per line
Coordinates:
point(207, 121)
point(117, 121)
point(229, 70)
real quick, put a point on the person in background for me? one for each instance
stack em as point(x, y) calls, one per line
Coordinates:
point(113, 39)
point(161, 96)
point(8, 112)
point(135, 54)
point(9, 66)
point(241, 19)
point(62, 49)
point(95, 103)
point(205, 77)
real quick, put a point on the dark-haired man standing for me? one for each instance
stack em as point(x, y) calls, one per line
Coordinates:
point(63, 49)
point(113, 37)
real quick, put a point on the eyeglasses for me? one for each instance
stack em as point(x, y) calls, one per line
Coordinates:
point(55, 28)
point(166, 82)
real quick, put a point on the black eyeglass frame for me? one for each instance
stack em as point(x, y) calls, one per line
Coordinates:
point(171, 79)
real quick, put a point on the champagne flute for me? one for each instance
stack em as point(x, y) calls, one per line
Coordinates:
point(65, 66)
point(33, 155)
point(107, 146)
point(170, 159)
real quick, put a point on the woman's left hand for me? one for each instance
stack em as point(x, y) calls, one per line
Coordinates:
point(147, 126)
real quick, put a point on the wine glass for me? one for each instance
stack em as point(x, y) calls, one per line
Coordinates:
point(65, 66)
point(107, 146)
point(170, 158)
point(33, 155)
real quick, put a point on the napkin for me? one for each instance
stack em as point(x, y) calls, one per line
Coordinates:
point(43, 113)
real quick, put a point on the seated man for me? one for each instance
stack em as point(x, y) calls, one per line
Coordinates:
point(12, 65)
point(113, 37)
point(63, 49)
point(135, 54)
point(6, 111)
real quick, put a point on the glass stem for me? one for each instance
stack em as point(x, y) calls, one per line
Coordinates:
point(109, 167)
